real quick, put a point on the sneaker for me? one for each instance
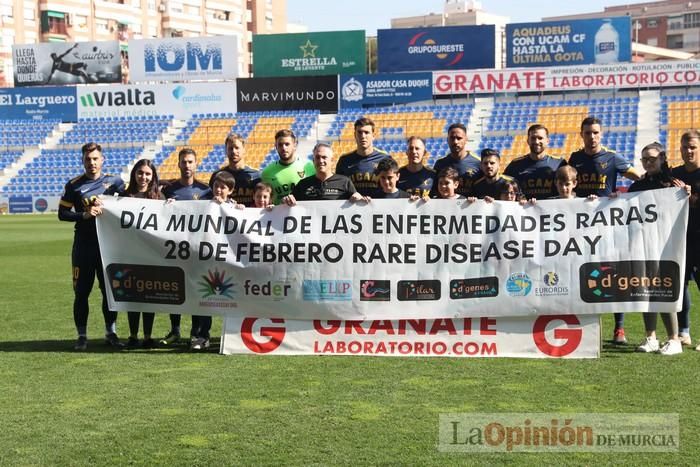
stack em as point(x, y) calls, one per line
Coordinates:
point(80, 344)
point(649, 344)
point(170, 339)
point(132, 343)
point(200, 343)
point(685, 339)
point(672, 347)
point(113, 341)
point(619, 336)
point(148, 343)
point(698, 348)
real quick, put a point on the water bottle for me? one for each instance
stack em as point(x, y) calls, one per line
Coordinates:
point(607, 43)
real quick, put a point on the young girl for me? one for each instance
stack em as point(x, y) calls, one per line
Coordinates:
point(143, 183)
point(658, 175)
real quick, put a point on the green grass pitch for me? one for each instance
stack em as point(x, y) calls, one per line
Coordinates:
point(59, 407)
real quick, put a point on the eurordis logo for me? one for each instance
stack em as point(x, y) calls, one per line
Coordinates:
point(418, 290)
point(481, 287)
point(552, 286)
point(422, 44)
point(630, 281)
point(375, 290)
point(147, 284)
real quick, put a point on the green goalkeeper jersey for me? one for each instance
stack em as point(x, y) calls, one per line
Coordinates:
point(283, 178)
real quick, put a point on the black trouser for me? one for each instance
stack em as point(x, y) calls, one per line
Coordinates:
point(201, 325)
point(87, 264)
point(134, 317)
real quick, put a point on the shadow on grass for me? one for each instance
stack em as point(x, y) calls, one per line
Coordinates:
point(95, 346)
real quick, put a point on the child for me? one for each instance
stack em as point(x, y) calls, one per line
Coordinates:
point(447, 184)
point(387, 173)
point(565, 181)
point(262, 195)
point(222, 189)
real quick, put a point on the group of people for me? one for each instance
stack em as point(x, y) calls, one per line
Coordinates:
point(369, 173)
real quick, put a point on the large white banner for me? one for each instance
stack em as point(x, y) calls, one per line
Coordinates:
point(183, 59)
point(395, 259)
point(546, 336)
point(180, 100)
point(567, 78)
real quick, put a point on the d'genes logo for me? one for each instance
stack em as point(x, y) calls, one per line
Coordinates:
point(147, 284)
point(481, 287)
point(630, 281)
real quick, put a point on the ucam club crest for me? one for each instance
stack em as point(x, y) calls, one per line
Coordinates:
point(352, 90)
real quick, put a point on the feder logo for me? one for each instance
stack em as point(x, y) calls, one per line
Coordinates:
point(274, 335)
point(147, 284)
point(630, 281)
point(419, 44)
point(571, 336)
point(173, 56)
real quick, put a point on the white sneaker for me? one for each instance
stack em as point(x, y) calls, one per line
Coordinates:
point(649, 344)
point(672, 347)
point(685, 339)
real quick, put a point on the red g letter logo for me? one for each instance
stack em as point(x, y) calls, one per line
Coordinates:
point(274, 333)
point(572, 336)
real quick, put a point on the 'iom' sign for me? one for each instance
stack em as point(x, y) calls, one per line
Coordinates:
point(183, 59)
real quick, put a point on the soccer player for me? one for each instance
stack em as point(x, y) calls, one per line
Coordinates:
point(658, 175)
point(689, 173)
point(598, 168)
point(80, 204)
point(183, 189)
point(535, 171)
point(389, 175)
point(324, 185)
point(286, 172)
point(464, 162)
point(359, 165)
point(245, 177)
point(415, 178)
point(491, 183)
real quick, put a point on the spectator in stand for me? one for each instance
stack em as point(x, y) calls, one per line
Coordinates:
point(80, 204)
point(415, 178)
point(324, 185)
point(467, 165)
point(245, 177)
point(283, 174)
point(359, 165)
point(143, 183)
point(535, 171)
point(689, 173)
point(658, 175)
point(598, 168)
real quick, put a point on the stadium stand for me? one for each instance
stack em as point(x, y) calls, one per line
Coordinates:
point(679, 113)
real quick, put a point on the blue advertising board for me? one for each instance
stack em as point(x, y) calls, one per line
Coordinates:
point(21, 204)
point(385, 89)
point(39, 103)
point(569, 42)
point(443, 48)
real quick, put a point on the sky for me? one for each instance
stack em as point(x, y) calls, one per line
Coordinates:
point(370, 15)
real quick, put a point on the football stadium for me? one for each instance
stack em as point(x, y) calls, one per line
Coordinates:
point(484, 319)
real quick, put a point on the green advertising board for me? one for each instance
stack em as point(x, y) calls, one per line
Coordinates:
point(309, 53)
